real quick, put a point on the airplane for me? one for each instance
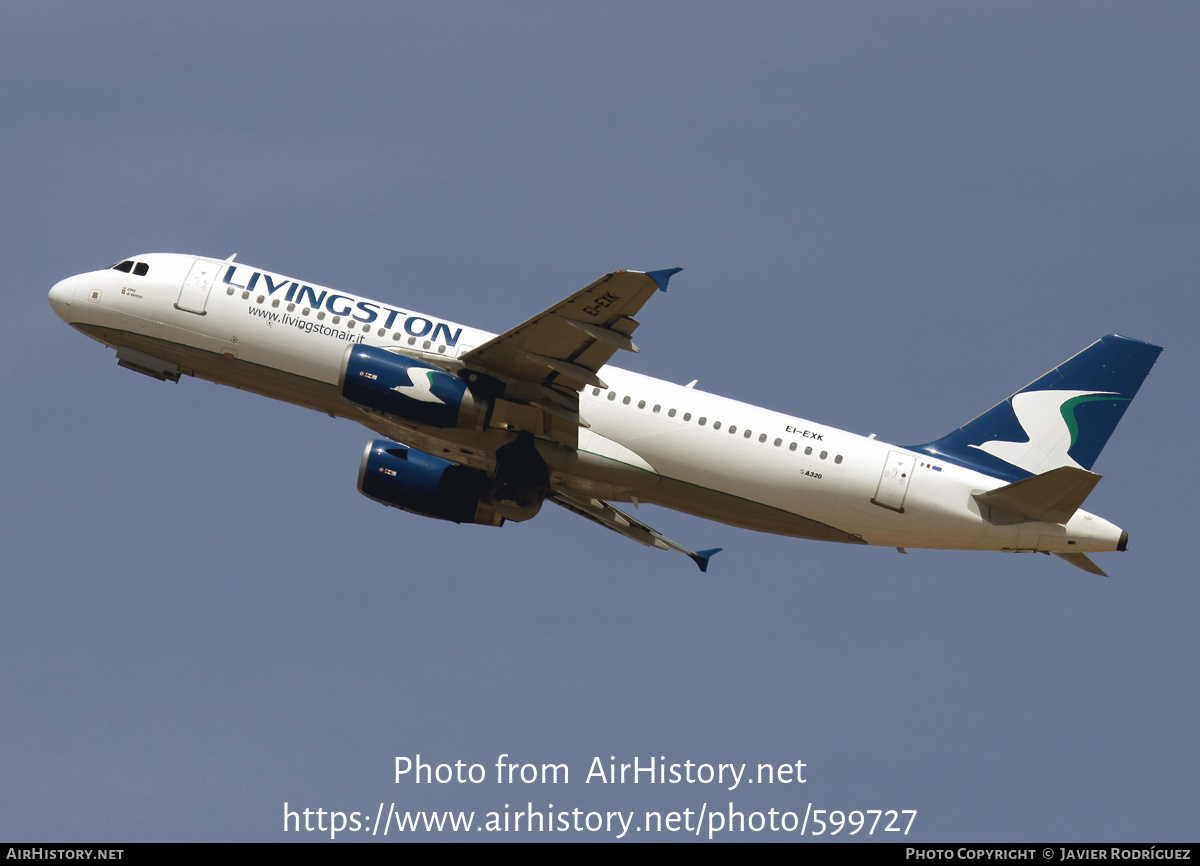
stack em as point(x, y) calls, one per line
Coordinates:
point(482, 428)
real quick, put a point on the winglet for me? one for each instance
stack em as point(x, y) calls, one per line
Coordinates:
point(701, 557)
point(661, 278)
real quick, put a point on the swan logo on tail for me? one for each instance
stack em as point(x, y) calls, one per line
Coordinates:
point(1048, 419)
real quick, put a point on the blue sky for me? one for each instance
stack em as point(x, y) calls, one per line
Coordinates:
point(890, 217)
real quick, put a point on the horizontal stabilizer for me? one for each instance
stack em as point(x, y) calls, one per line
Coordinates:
point(1080, 561)
point(1053, 496)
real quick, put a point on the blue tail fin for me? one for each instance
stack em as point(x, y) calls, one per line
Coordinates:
point(1062, 419)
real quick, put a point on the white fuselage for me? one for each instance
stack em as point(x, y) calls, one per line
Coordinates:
point(669, 444)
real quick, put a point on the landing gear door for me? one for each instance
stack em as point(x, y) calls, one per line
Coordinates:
point(194, 295)
point(893, 483)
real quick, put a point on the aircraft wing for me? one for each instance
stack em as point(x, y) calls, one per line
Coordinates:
point(612, 518)
point(564, 347)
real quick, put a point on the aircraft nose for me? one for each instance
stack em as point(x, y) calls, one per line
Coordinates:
point(60, 296)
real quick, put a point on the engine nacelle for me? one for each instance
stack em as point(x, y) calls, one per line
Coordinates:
point(423, 484)
point(407, 388)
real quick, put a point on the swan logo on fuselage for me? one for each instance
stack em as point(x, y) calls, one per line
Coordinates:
point(367, 312)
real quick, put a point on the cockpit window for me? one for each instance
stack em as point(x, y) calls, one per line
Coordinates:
point(124, 267)
point(140, 269)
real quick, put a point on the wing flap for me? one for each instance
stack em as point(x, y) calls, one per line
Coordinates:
point(567, 368)
point(608, 334)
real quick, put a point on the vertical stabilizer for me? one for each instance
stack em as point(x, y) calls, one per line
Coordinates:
point(1062, 419)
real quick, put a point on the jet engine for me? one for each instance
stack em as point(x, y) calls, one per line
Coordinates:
point(407, 388)
point(423, 484)
point(414, 481)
